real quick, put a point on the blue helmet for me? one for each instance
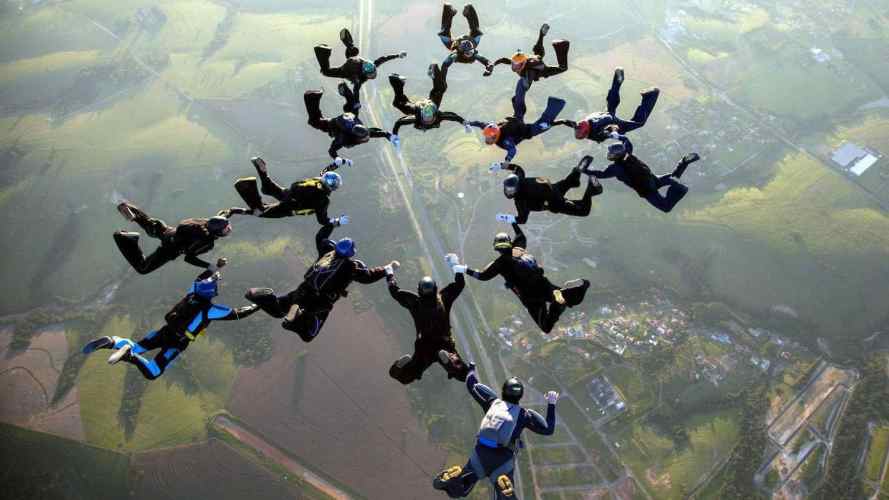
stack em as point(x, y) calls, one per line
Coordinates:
point(369, 69)
point(332, 180)
point(346, 247)
point(207, 288)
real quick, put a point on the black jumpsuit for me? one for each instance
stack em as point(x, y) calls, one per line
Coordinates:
point(305, 197)
point(538, 194)
point(339, 128)
point(432, 319)
point(529, 284)
point(351, 69)
point(412, 108)
point(325, 283)
point(191, 238)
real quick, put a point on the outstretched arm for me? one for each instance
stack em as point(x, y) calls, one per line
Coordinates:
point(537, 424)
point(335, 146)
point(367, 275)
point(522, 211)
point(478, 124)
point(450, 116)
point(219, 312)
point(450, 293)
point(383, 59)
point(405, 299)
point(510, 148)
point(378, 133)
point(608, 173)
point(192, 258)
point(520, 240)
point(404, 120)
point(322, 239)
point(321, 213)
point(482, 394)
point(491, 271)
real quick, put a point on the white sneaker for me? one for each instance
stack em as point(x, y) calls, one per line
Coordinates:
point(119, 354)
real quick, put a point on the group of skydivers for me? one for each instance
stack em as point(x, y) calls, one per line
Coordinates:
point(305, 309)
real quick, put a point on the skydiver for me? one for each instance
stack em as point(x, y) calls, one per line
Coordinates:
point(306, 309)
point(538, 194)
point(430, 309)
point(544, 301)
point(191, 237)
point(598, 126)
point(347, 130)
point(185, 321)
point(423, 114)
point(636, 174)
point(356, 69)
point(305, 197)
point(498, 437)
point(464, 49)
point(509, 132)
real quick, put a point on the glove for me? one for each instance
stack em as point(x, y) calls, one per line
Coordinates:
point(342, 220)
point(402, 54)
point(390, 271)
point(488, 70)
point(551, 397)
point(451, 259)
point(508, 218)
point(467, 127)
point(395, 140)
point(338, 161)
point(495, 167)
point(459, 268)
point(348, 162)
point(614, 135)
point(395, 265)
point(471, 366)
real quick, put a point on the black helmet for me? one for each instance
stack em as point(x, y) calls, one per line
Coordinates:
point(512, 390)
point(616, 151)
point(360, 132)
point(427, 287)
point(511, 185)
point(502, 241)
point(218, 226)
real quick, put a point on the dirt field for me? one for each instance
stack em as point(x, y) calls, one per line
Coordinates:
point(209, 470)
point(28, 381)
point(337, 410)
point(800, 409)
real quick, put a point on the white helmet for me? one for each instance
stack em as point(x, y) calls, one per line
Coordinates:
point(332, 180)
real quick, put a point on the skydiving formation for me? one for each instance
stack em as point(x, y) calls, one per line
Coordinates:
point(305, 310)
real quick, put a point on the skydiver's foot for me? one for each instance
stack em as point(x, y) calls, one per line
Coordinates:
point(441, 481)
point(504, 487)
point(127, 211)
point(260, 166)
point(99, 343)
point(451, 11)
point(128, 235)
point(225, 212)
point(122, 353)
point(449, 360)
point(650, 91)
point(403, 361)
point(683, 164)
point(618, 76)
point(544, 29)
point(690, 158)
point(346, 37)
point(557, 296)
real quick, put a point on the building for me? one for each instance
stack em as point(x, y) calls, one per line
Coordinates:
point(854, 159)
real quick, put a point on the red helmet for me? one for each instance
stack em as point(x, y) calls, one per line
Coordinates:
point(583, 130)
point(491, 133)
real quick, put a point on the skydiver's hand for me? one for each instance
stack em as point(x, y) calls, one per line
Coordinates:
point(395, 265)
point(467, 127)
point(495, 167)
point(402, 54)
point(390, 272)
point(338, 161)
point(396, 141)
point(259, 163)
point(225, 212)
point(348, 162)
point(342, 220)
point(471, 366)
point(459, 268)
point(551, 397)
point(488, 70)
point(690, 158)
point(451, 259)
point(507, 218)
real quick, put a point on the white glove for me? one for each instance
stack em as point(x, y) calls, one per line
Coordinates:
point(342, 220)
point(451, 259)
point(348, 162)
point(544, 125)
point(395, 140)
point(508, 218)
point(395, 265)
point(389, 270)
point(467, 127)
point(551, 397)
point(338, 161)
point(459, 268)
point(402, 55)
point(495, 167)
point(614, 135)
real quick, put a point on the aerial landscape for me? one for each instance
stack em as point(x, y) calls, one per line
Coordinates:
point(734, 347)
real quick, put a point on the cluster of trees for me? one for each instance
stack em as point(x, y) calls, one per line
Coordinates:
point(869, 403)
point(747, 456)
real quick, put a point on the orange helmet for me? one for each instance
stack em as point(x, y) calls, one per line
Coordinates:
point(518, 61)
point(491, 133)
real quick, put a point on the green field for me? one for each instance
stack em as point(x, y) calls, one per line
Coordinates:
point(40, 466)
point(876, 453)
